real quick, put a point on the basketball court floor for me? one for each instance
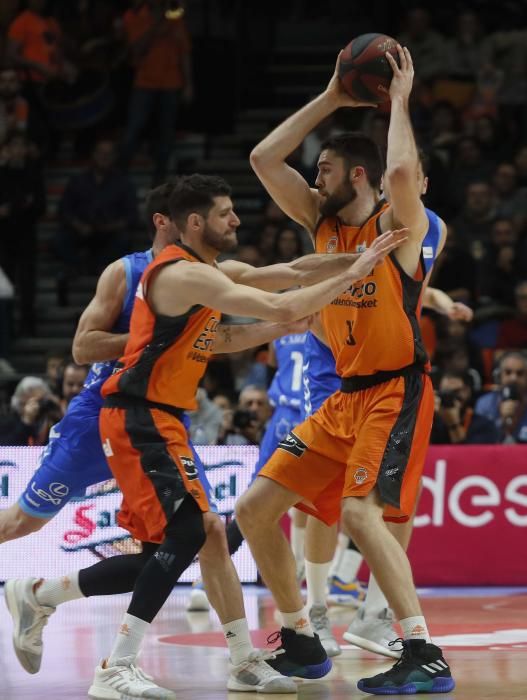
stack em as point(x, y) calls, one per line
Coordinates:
point(483, 632)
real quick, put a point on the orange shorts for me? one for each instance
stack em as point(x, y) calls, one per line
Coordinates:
point(356, 441)
point(147, 450)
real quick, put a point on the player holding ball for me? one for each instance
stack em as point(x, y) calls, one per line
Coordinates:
point(362, 453)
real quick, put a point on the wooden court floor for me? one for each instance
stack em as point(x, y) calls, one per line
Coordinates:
point(483, 632)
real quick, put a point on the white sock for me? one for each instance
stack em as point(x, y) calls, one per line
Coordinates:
point(55, 591)
point(238, 640)
point(375, 599)
point(298, 536)
point(129, 638)
point(342, 545)
point(317, 581)
point(298, 621)
point(349, 565)
point(415, 628)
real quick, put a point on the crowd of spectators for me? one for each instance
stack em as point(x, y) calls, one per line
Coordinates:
point(469, 109)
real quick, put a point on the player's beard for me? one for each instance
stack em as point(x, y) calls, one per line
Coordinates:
point(222, 242)
point(341, 197)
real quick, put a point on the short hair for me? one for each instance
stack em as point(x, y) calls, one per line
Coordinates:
point(24, 385)
point(424, 160)
point(157, 202)
point(456, 374)
point(358, 149)
point(195, 194)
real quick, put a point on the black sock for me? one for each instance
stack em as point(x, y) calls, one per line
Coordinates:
point(234, 537)
point(353, 546)
point(184, 537)
point(115, 575)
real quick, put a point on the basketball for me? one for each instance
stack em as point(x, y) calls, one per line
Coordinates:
point(364, 69)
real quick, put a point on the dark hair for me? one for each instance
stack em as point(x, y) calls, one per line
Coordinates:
point(298, 240)
point(358, 149)
point(424, 160)
point(455, 374)
point(195, 194)
point(157, 202)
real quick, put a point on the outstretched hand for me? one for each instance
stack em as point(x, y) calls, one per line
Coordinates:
point(375, 254)
point(403, 75)
point(460, 312)
point(336, 91)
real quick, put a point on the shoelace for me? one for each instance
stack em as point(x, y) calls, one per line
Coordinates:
point(34, 636)
point(405, 658)
point(274, 637)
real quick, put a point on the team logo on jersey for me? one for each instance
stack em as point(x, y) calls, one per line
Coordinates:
point(293, 444)
point(360, 475)
point(190, 468)
point(331, 246)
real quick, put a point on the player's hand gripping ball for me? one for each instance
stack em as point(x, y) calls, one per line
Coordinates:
point(364, 70)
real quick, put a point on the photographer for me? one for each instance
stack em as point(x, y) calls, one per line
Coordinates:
point(506, 406)
point(33, 411)
point(251, 415)
point(455, 423)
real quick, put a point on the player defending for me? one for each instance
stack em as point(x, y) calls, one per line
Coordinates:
point(367, 443)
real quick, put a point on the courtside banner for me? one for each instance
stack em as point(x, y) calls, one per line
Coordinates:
point(471, 524)
point(86, 531)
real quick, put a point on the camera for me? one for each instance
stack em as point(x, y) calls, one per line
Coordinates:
point(510, 392)
point(243, 418)
point(448, 398)
point(48, 409)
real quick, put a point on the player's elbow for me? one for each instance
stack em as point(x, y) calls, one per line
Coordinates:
point(401, 171)
point(78, 353)
point(259, 159)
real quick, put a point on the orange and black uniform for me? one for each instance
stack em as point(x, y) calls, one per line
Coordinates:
point(143, 437)
point(375, 430)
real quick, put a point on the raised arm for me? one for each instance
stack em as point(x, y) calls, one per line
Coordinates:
point(178, 287)
point(303, 272)
point(93, 341)
point(402, 160)
point(285, 185)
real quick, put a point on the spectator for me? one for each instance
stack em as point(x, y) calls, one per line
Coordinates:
point(73, 379)
point(55, 361)
point(288, 245)
point(427, 47)
point(249, 419)
point(498, 269)
point(223, 402)
point(465, 51)
point(160, 50)
point(14, 109)
point(22, 202)
point(506, 406)
point(470, 167)
point(206, 422)
point(511, 202)
point(512, 333)
point(490, 142)
point(474, 223)
point(455, 271)
point(33, 411)
point(266, 242)
point(97, 211)
point(455, 423)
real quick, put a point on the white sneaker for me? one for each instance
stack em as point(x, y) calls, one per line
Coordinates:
point(373, 632)
point(29, 619)
point(318, 615)
point(123, 680)
point(198, 601)
point(255, 675)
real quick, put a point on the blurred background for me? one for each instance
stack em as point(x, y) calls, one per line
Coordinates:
point(102, 99)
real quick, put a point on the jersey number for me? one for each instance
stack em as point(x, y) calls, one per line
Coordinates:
point(350, 340)
point(296, 379)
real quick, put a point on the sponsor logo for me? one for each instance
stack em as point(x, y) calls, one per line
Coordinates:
point(205, 339)
point(360, 475)
point(55, 494)
point(190, 468)
point(300, 624)
point(86, 526)
point(107, 448)
point(124, 629)
point(428, 252)
point(293, 444)
point(331, 246)
point(361, 247)
point(417, 630)
point(392, 472)
point(165, 559)
point(230, 635)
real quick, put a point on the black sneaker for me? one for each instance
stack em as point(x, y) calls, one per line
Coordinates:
point(421, 669)
point(299, 655)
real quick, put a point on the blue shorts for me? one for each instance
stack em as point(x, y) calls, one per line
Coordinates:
point(73, 460)
point(284, 419)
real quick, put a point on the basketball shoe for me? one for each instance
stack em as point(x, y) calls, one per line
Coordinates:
point(29, 620)
point(320, 623)
point(421, 669)
point(373, 632)
point(342, 593)
point(198, 601)
point(255, 674)
point(301, 656)
point(125, 680)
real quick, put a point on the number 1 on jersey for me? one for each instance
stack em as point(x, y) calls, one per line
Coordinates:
point(350, 340)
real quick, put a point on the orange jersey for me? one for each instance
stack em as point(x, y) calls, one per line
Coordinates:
point(373, 326)
point(166, 356)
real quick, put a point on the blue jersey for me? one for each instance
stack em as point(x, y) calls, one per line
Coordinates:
point(286, 387)
point(320, 378)
point(134, 264)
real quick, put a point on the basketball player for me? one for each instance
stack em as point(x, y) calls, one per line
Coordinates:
point(101, 335)
point(360, 445)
